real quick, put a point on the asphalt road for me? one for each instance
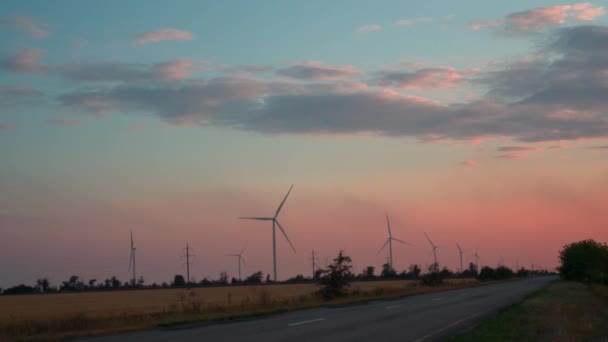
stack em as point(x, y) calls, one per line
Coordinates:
point(418, 318)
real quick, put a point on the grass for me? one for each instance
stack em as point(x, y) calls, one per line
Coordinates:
point(564, 311)
point(56, 316)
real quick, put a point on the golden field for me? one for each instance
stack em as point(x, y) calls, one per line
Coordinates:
point(157, 300)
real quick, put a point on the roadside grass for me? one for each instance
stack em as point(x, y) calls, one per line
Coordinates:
point(564, 311)
point(193, 307)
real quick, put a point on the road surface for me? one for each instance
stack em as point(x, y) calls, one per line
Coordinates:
point(427, 317)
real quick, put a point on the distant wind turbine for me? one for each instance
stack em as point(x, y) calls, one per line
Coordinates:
point(132, 258)
point(434, 249)
point(239, 258)
point(460, 251)
point(275, 223)
point(389, 242)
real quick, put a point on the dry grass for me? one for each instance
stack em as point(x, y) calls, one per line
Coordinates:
point(565, 311)
point(53, 316)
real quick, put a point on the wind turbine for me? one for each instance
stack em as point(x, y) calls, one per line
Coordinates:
point(461, 252)
point(240, 258)
point(434, 249)
point(275, 223)
point(132, 258)
point(389, 242)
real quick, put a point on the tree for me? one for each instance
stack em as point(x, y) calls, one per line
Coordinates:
point(486, 273)
point(388, 271)
point(367, 273)
point(414, 271)
point(92, 282)
point(336, 278)
point(19, 289)
point(471, 271)
point(114, 282)
point(223, 279)
point(178, 281)
point(585, 260)
point(140, 281)
point(297, 279)
point(42, 285)
point(72, 284)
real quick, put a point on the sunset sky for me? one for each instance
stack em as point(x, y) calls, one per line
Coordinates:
point(478, 122)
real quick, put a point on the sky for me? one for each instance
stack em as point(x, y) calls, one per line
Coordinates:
point(480, 123)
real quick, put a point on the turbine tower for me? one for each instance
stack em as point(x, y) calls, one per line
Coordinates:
point(239, 259)
point(389, 242)
point(460, 251)
point(275, 223)
point(132, 259)
point(434, 249)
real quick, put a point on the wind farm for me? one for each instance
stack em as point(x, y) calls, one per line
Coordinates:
point(277, 164)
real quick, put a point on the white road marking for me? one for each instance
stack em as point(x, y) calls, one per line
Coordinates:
point(393, 306)
point(436, 299)
point(305, 322)
point(447, 327)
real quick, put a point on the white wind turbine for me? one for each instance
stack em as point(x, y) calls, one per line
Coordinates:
point(434, 249)
point(132, 258)
point(275, 223)
point(239, 258)
point(460, 251)
point(389, 242)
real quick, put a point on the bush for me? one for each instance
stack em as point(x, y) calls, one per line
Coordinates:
point(336, 279)
point(585, 261)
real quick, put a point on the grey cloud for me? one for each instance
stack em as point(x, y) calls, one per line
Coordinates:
point(317, 71)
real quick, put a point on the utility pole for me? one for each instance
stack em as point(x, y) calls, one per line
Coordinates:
point(187, 263)
point(313, 263)
point(477, 261)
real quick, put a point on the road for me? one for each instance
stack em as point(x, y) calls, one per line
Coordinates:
point(427, 317)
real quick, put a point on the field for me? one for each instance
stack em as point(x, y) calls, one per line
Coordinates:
point(565, 311)
point(42, 317)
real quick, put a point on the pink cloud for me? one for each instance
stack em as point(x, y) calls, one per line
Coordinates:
point(585, 12)
point(369, 28)
point(27, 61)
point(177, 69)
point(7, 127)
point(603, 147)
point(66, 122)
point(29, 25)
point(542, 17)
point(164, 34)
point(469, 163)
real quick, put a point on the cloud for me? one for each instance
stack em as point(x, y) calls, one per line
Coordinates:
point(126, 72)
point(368, 28)
point(66, 122)
point(7, 127)
point(427, 78)
point(164, 34)
point(603, 147)
point(513, 155)
point(15, 94)
point(411, 22)
point(469, 163)
point(30, 25)
point(516, 148)
point(27, 61)
point(245, 69)
point(542, 17)
point(559, 94)
point(317, 71)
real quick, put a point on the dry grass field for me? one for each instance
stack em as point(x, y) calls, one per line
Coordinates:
point(41, 317)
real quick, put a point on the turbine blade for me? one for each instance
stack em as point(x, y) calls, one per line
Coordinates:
point(283, 202)
point(243, 249)
point(131, 239)
point(428, 238)
point(256, 218)
point(243, 260)
point(285, 235)
point(407, 243)
point(460, 249)
point(388, 224)
point(386, 243)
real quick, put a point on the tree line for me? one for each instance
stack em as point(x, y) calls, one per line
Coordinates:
point(335, 273)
